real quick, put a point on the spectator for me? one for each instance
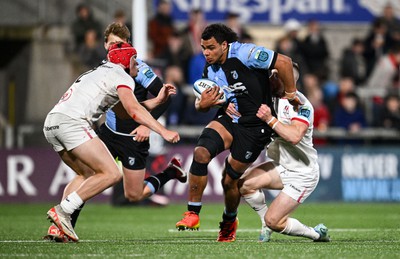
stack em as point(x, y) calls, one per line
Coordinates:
point(389, 115)
point(196, 66)
point(350, 116)
point(232, 20)
point(175, 54)
point(353, 63)
point(346, 85)
point(315, 51)
point(84, 21)
point(91, 52)
point(321, 114)
point(161, 27)
point(174, 75)
point(310, 82)
point(192, 32)
point(392, 23)
point(376, 44)
point(386, 75)
point(120, 17)
point(289, 45)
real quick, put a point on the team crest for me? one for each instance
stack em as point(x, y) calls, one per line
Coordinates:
point(261, 55)
point(234, 74)
point(131, 160)
point(248, 154)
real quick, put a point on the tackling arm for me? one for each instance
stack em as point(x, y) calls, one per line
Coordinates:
point(292, 133)
point(142, 116)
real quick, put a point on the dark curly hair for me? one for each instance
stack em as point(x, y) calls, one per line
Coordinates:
point(220, 32)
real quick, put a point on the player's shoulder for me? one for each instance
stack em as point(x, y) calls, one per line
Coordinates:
point(237, 48)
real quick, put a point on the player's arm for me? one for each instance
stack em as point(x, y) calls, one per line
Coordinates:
point(166, 91)
point(154, 88)
point(209, 98)
point(292, 133)
point(285, 67)
point(263, 58)
point(142, 116)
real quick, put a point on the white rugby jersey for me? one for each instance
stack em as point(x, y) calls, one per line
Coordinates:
point(303, 155)
point(94, 92)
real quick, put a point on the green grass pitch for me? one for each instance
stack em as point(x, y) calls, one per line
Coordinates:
point(358, 230)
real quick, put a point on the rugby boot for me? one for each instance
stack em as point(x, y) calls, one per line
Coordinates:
point(227, 231)
point(180, 174)
point(63, 222)
point(322, 230)
point(190, 221)
point(56, 235)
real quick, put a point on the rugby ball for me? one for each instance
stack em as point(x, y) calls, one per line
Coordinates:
point(203, 84)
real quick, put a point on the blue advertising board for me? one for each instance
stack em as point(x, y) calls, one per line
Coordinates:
point(278, 11)
point(357, 174)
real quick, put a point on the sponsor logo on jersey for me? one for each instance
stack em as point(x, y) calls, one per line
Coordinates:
point(131, 160)
point(237, 87)
point(148, 73)
point(294, 187)
point(51, 128)
point(261, 55)
point(305, 111)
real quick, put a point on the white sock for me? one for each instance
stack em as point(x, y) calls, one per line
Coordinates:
point(71, 203)
point(257, 203)
point(296, 228)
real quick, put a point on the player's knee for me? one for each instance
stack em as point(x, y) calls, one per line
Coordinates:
point(115, 177)
point(209, 145)
point(245, 187)
point(132, 195)
point(201, 155)
point(274, 223)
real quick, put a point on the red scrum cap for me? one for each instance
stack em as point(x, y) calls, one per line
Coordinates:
point(121, 53)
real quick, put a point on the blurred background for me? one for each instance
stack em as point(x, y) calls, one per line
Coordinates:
point(349, 57)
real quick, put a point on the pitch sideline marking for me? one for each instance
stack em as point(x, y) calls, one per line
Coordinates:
point(331, 230)
point(217, 230)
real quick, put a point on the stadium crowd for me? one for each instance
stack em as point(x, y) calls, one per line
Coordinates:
point(371, 65)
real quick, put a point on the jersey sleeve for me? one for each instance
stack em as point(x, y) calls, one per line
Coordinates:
point(122, 79)
point(254, 56)
point(305, 112)
point(145, 75)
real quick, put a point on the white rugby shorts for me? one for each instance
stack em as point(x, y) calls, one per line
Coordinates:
point(64, 132)
point(299, 185)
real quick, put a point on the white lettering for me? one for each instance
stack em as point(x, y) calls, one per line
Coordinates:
point(276, 8)
point(325, 162)
point(20, 167)
point(379, 166)
point(1, 190)
point(63, 176)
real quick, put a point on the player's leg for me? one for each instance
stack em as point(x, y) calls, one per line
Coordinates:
point(277, 218)
point(136, 190)
point(232, 172)
point(213, 140)
point(83, 172)
point(297, 187)
point(247, 145)
point(255, 178)
point(94, 154)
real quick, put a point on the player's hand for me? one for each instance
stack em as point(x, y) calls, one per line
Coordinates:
point(231, 111)
point(142, 133)
point(294, 99)
point(166, 91)
point(264, 113)
point(211, 97)
point(170, 136)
